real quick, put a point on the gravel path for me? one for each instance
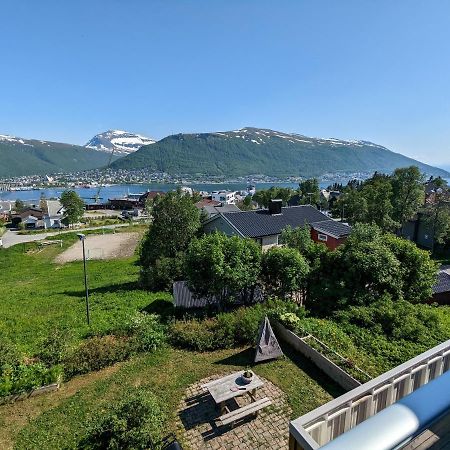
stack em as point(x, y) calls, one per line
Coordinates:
point(107, 246)
point(11, 238)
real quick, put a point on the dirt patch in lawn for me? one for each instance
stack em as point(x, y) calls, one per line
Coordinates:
point(106, 246)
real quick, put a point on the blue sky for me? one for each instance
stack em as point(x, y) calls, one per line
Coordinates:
point(374, 70)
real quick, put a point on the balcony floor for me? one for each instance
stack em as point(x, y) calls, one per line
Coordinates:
point(437, 437)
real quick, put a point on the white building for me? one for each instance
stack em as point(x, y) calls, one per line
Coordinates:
point(224, 197)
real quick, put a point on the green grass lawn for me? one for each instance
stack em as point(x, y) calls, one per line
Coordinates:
point(60, 419)
point(37, 295)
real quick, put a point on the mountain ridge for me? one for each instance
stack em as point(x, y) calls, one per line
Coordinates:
point(251, 150)
point(23, 157)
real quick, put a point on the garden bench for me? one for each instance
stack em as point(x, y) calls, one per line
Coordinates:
point(247, 410)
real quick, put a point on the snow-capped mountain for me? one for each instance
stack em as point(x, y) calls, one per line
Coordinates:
point(122, 142)
point(252, 150)
point(264, 136)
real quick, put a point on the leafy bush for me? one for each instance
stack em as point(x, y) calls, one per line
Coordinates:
point(194, 334)
point(147, 333)
point(54, 346)
point(161, 275)
point(25, 377)
point(227, 330)
point(133, 423)
point(9, 354)
point(96, 353)
point(290, 320)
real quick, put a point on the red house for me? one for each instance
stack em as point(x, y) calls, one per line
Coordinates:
point(330, 232)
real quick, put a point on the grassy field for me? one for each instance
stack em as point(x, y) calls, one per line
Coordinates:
point(37, 295)
point(58, 420)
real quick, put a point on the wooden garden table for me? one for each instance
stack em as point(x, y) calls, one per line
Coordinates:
point(232, 386)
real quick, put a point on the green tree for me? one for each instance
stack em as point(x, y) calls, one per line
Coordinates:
point(264, 196)
point(176, 220)
point(221, 266)
point(408, 193)
point(437, 217)
point(315, 254)
point(73, 206)
point(309, 191)
point(351, 206)
point(418, 270)
point(19, 205)
point(378, 194)
point(363, 269)
point(284, 272)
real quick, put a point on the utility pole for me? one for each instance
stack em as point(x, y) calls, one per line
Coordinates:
point(82, 238)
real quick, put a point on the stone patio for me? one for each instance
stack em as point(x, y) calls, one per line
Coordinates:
point(197, 413)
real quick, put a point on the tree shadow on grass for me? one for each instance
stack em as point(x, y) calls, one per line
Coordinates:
point(164, 308)
point(246, 358)
point(110, 288)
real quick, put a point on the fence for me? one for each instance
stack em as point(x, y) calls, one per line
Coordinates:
point(184, 298)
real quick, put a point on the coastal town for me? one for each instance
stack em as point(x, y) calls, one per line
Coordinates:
point(225, 225)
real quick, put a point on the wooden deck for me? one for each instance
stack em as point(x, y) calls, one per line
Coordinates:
point(437, 437)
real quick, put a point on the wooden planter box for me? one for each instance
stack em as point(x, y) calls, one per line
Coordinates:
point(340, 376)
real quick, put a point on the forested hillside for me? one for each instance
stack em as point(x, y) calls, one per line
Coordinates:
point(258, 151)
point(28, 157)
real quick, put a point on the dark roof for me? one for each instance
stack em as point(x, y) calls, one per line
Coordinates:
point(151, 195)
point(443, 281)
point(332, 228)
point(36, 212)
point(261, 223)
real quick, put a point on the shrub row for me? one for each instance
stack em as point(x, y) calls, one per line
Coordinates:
point(226, 330)
point(142, 333)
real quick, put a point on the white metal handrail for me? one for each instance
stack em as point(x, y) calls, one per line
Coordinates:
point(400, 422)
point(336, 417)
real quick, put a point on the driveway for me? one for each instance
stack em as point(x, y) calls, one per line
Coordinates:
point(11, 238)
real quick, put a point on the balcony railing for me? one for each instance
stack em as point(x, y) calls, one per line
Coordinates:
point(329, 421)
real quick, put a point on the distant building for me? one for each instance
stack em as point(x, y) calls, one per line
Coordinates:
point(30, 217)
point(419, 230)
point(441, 289)
point(5, 210)
point(133, 201)
point(265, 226)
point(213, 207)
point(54, 214)
point(224, 197)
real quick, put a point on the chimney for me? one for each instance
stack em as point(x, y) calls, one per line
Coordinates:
point(275, 206)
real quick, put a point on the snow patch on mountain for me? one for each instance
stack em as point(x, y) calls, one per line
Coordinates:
point(13, 140)
point(121, 142)
point(262, 136)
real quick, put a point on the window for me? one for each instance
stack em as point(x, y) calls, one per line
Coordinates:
point(322, 237)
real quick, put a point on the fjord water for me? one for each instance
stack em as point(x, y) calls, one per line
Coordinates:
point(121, 190)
